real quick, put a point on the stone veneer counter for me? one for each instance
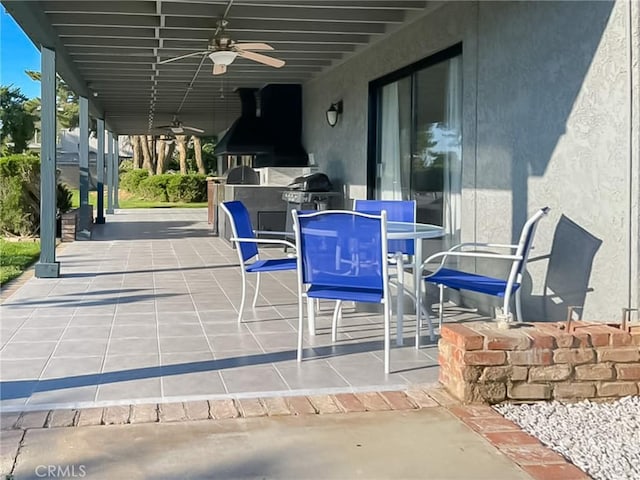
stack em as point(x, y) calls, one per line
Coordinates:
point(480, 363)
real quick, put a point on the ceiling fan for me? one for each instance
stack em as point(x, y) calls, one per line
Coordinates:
point(178, 128)
point(223, 50)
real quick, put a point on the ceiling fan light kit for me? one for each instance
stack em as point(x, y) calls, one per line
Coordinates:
point(176, 127)
point(223, 57)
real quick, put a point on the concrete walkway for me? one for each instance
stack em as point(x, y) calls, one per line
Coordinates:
point(419, 433)
point(426, 444)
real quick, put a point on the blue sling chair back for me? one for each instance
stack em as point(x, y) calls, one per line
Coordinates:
point(498, 287)
point(401, 252)
point(342, 256)
point(247, 243)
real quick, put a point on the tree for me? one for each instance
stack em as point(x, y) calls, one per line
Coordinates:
point(137, 150)
point(17, 124)
point(181, 141)
point(68, 110)
point(147, 162)
point(197, 148)
point(164, 152)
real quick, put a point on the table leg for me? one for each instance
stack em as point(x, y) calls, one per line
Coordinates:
point(417, 278)
point(400, 301)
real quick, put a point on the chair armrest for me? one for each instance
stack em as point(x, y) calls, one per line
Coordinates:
point(273, 232)
point(263, 240)
point(479, 244)
point(446, 254)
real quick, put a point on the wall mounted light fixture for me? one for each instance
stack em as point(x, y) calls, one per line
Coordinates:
point(334, 111)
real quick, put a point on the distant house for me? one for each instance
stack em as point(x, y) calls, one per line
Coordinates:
point(68, 146)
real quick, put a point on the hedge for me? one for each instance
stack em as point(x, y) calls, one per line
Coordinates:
point(187, 188)
point(19, 194)
point(153, 188)
point(166, 187)
point(130, 180)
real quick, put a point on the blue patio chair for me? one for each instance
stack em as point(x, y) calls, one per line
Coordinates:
point(397, 211)
point(247, 246)
point(342, 256)
point(503, 288)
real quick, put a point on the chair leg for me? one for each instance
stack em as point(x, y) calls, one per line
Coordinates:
point(244, 294)
point(441, 307)
point(387, 337)
point(432, 335)
point(519, 307)
point(334, 323)
point(425, 309)
point(255, 295)
point(300, 327)
point(311, 314)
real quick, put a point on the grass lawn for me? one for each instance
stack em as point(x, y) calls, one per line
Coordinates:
point(15, 257)
point(126, 200)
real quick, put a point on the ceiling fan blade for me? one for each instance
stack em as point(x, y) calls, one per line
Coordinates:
point(169, 60)
point(253, 46)
point(162, 127)
point(219, 69)
point(258, 57)
point(194, 129)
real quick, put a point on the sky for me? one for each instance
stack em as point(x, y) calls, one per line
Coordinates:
point(17, 54)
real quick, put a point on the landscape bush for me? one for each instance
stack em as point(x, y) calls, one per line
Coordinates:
point(170, 187)
point(153, 188)
point(131, 179)
point(64, 197)
point(187, 188)
point(125, 166)
point(19, 194)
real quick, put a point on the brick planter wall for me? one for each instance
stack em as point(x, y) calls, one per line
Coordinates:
point(69, 226)
point(539, 361)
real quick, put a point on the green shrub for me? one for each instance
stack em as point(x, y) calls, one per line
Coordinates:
point(63, 198)
point(19, 194)
point(130, 180)
point(187, 188)
point(154, 188)
point(125, 166)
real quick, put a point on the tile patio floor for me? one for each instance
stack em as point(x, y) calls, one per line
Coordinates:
point(146, 312)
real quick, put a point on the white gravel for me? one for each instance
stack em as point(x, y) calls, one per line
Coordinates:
point(602, 439)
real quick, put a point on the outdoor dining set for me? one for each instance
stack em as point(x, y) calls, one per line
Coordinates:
point(359, 255)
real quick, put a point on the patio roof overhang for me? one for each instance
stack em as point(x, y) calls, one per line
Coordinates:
point(109, 51)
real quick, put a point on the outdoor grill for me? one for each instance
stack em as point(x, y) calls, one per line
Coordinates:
point(308, 192)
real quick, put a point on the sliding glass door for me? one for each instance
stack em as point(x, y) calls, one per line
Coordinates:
point(418, 138)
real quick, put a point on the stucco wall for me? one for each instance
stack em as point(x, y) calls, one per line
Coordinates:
point(547, 121)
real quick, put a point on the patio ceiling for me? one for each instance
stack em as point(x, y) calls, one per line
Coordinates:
point(109, 50)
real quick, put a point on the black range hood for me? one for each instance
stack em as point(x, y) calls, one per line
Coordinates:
point(248, 134)
point(272, 138)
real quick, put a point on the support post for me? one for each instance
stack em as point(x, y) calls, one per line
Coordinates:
point(86, 211)
point(47, 267)
point(100, 173)
point(116, 170)
point(110, 174)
